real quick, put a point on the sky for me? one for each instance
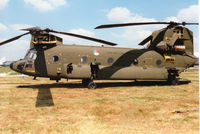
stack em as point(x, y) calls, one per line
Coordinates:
point(82, 16)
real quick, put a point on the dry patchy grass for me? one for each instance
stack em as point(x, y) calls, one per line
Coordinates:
point(121, 107)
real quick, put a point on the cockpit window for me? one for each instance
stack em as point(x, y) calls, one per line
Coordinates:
point(31, 54)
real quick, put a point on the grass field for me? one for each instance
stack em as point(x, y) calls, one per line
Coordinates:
point(5, 69)
point(116, 107)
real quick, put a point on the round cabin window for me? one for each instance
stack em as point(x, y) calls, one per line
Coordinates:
point(110, 60)
point(84, 59)
point(135, 61)
point(158, 62)
point(55, 58)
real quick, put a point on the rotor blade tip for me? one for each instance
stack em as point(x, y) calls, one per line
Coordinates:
point(97, 27)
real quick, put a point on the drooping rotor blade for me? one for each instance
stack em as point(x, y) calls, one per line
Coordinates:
point(129, 24)
point(145, 40)
point(31, 29)
point(185, 23)
point(142, 23)
point(83, 37)
point(14, 38)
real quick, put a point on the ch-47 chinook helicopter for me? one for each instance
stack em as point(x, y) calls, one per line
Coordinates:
point(168, 53)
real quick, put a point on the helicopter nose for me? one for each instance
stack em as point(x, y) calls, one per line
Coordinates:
point(17, 66)
point(11, 66)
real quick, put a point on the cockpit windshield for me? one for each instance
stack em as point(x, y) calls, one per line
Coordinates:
point(31, 54)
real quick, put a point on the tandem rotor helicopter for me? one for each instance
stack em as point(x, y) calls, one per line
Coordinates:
point(169, 51)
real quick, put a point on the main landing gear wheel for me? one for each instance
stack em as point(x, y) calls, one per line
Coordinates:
point(179, 81)
point(89, 84)
point(92, 85)
point(173, 81)
point(172, 77)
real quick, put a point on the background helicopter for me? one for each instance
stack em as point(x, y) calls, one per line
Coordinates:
point(169, 52)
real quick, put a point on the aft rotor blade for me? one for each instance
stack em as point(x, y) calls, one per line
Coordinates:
point(129, 24)
point(145, 40)
point(184, 23)
point(142, 23)
point(14, 38)
point(84, 37)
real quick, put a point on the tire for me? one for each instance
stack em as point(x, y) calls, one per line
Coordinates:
point(173, 82)
point(92, 85)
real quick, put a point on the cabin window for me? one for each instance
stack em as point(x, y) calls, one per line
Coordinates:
point(84, 59)
point(110, 60)
point(158, 62)
point(135, 61)
point(55, 58)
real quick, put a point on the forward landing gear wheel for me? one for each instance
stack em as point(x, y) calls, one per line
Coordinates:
point(92, 85)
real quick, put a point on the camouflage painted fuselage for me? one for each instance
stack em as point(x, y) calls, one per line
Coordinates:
point(114, 63)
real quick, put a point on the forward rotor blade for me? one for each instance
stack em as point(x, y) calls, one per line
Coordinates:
point(14, 38)
point(84, 37)
point(142, 23)
point(31, 29)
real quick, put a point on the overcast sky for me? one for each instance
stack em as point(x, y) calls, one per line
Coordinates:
point(82, 16)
